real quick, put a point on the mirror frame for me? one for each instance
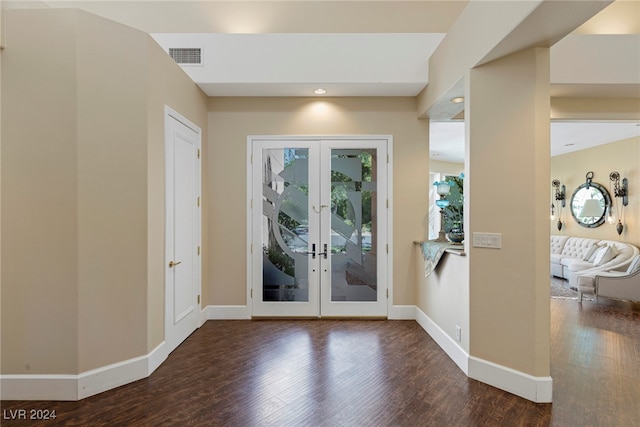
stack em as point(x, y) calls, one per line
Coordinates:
point(607, 203)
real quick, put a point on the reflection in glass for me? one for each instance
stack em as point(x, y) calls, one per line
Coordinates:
point(285, 221)
point(589, 204)
point(353, 225)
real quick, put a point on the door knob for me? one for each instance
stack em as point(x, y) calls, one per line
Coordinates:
point(173, 264)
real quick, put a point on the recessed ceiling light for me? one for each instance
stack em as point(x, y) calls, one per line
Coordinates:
point(320, 91)
point(457, 100)
point(569, 144)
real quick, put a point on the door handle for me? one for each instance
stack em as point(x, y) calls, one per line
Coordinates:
point(173, 264)
point(325, 253)
point(313, 251)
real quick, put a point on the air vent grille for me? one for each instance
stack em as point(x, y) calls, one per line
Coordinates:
point(186, 55)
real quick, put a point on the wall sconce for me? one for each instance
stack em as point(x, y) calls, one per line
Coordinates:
point(621, 193)
point(442, 188)
point(558, 194)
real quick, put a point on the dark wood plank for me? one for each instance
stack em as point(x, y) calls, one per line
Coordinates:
point(367, 373)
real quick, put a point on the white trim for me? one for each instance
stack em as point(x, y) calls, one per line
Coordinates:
point(227, 312)
point(402, 312)
point(388, 139)
point(391, 309)
point(168, 111)
point(202, 317)
point(39, 387)
point(249, 219)
point(89, 383)
point(108, 377)
point(157, 356)
point(453, 350)
point(536, 389)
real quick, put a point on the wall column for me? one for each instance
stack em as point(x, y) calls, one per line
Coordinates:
point(507, 170)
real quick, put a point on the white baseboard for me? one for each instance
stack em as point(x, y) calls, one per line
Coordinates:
point(203, 316)
point(108, 377)
point(453, 350)
point(157, 356)
point(89, 383)
point(536, 389)
point(402, 312)
point(227, 312)
point(39, 387)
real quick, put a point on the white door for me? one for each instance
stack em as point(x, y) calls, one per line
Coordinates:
point(319, 226)
point(182, 260)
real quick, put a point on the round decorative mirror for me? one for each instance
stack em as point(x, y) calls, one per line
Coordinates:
point(589, 204)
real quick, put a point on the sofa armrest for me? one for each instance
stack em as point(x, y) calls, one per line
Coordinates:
point(618, 285)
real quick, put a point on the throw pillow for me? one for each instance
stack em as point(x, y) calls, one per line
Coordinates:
point(635, 265)
point(590, 252)
point(599, 250)
point(604, 257)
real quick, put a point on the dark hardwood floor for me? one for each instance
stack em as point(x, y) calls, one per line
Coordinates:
point(368, 373)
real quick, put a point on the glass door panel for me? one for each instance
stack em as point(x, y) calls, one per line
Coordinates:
point(285, 228)
point(285, 268)
point(354, 179)
point(353, 225)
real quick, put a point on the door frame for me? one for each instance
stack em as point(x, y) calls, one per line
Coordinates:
point(170, 114)
point(388, 139)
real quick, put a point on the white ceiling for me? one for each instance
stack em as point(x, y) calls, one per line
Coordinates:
point(346, 64)
point(359, 64)
point(384, 64)
point(396, 64)
point(371, 48)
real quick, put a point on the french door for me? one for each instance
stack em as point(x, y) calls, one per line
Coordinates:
point(319, 226)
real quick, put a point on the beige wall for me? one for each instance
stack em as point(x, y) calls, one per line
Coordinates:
point(449, 168)
point(39, 211)
point(506, 191)
point(499, 297)
point(444, 294)
point(231, 120)
point(622, 156)
point(595, 109)
point(112, 191)
point(83, 185)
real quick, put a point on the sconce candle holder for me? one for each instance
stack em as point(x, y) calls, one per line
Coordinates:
point(559, 196)
point(621, 198)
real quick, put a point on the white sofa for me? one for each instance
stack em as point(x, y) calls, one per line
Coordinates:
point(572, 257)
point(622, 285)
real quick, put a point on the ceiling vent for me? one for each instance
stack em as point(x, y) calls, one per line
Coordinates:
point(186, 55)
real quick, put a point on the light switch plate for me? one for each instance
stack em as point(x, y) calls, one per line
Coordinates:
point(487, 240)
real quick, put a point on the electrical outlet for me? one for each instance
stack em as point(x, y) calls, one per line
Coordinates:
point(458, 333)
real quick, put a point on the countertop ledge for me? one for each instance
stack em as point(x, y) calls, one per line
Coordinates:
point(453, 251)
